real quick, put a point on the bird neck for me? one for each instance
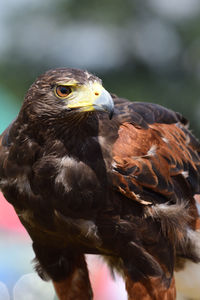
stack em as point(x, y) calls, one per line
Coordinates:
point(72, 130)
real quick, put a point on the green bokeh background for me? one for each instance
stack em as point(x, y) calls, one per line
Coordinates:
point(143, 50)
point(9, 108)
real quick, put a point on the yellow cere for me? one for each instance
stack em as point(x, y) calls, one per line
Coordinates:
point(83, 96)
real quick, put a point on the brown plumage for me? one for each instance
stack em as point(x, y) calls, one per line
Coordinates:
point(82, 183)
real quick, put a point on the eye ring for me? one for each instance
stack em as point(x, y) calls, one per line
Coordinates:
point(62, 91)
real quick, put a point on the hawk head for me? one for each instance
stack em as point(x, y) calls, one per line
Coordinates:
point(62, 92)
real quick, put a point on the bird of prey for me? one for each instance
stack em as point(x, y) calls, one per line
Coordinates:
point(90, 173)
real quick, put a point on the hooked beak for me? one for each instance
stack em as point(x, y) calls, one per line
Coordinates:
point(92, 98)
point(104, 103)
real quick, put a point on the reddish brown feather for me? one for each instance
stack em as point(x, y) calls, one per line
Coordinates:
point(150, 289)
point(77, 285)
point(171, 151)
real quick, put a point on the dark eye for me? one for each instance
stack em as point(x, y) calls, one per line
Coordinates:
point(63, 91)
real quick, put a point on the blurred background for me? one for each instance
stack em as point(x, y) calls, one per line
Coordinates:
point(143, 50)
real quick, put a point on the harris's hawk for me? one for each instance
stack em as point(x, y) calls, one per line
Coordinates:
point(84, 181)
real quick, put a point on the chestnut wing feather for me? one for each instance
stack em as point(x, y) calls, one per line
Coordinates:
point(157, 162)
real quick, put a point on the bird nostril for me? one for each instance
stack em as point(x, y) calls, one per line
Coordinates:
point(96, 94)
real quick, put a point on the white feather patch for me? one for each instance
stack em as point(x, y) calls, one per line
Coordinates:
point(152, 150)
point(165, 140)
point(185, 174)
point(64, 164)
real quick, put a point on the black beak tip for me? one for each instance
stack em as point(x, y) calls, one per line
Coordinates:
point(111, 114)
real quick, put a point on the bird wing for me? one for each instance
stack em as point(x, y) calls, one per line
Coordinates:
point(156, 164)
point(155, 157)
